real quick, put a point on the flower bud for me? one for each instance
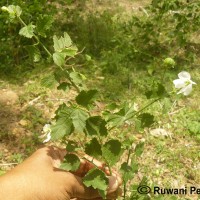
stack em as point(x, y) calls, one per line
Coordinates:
point(169, 62)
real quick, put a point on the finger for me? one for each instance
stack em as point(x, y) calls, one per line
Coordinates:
point(80, 191)
point(87, 163)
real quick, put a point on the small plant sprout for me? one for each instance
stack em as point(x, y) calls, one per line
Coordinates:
point(184, 83)
point(47, 133)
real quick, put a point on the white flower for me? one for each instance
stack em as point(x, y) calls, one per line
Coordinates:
point(47, 133)
point(48, 138)
point(184, 83)
point(47, 128)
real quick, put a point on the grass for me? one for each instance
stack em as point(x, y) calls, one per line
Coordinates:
point(166, 161)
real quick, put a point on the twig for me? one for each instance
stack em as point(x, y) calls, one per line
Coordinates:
point(6, 164)
point(34, 100)
point(30, 103)
point(64, 99)
point(176, 111)
point(76, 55)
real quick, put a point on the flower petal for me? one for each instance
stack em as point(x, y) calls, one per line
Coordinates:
point(192, 82)
point(48, 138)
point(186, 90)
point(184, 75)
point(179, 83)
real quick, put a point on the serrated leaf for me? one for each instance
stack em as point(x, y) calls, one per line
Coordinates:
point(146, 119)
point(13, 11)
point(44, 23)
point(34, 53)
point(79, 118)
point(71, 51)
point(78, 79)
point(59, 58)
point(111, 151)
point(48, 81)
point(63, 111)
point(64, 86)
point(96, 126)
point(62, 128)
point(71, 162)
point(158, 91)
point(128, 171)
point(61, 75)
point(84, 98)
point(97, 179)
point(124, 114)
point(63, 125)
point(93, 148)
point(139, 149)
point(27, 31)
point(62, 43)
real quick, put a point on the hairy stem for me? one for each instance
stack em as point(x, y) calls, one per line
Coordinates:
point(37, 39)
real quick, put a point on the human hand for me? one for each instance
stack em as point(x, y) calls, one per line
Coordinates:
point(39, 178)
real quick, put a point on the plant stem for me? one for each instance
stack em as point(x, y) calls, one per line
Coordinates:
point(128, 158)
point(139, 111)
point(149, 104)
point(37, 39)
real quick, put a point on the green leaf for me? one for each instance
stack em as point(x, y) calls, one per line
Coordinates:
point(12, 10)
point(62, 128)
point(48, 81)
point(63, 111)
point(139, 149)
point(127, 143)
point(161, 91)
point(146, 119)
point(27, 31)
point(64, 125)
point(71, 51)
point(62, 43)
point(71, 162)
point(125, 113)
point(78, 79)
point(64, 86)
point(34, 53)
point(44, 23)
point(97, 179)
point(84, 98)
point(59, 58)
point(111, 151)
point(128, 172)
point(96, 126)
point(93, 148)
point(158, 91)
point(79, 118)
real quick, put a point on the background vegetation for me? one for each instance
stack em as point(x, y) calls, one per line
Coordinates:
point(122, 47)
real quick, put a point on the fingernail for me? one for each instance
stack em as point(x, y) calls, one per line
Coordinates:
point(113, 184)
